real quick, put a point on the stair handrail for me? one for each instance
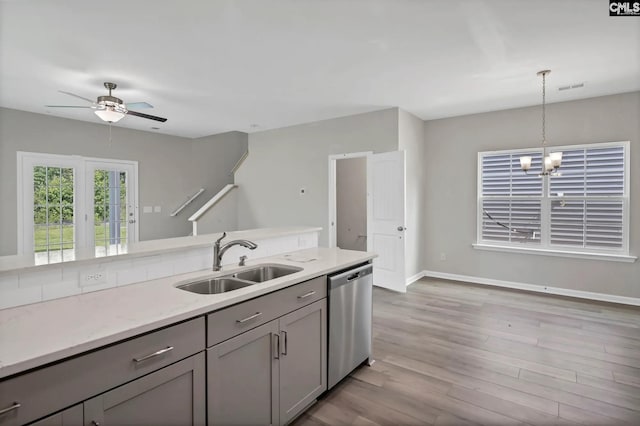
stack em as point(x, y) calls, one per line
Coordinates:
point(186, 203)
point(202, 210)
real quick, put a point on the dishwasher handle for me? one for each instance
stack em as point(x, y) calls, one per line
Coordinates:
point(350, 275)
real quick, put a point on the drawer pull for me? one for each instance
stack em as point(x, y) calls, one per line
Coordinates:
point(304, 296)
point(155, 354)
point(249, 318)
point(14, 406)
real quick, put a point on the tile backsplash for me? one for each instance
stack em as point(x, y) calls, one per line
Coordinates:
point(32, 285)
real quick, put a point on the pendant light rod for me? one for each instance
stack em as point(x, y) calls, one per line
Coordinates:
point(551, 162)
point(544, 74)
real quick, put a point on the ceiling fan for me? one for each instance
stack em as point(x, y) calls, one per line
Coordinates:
point(109, 108)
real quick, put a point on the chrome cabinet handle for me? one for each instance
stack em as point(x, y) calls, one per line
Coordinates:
point(284, 346)
point(276, 346)
point(14, 406)
point(249, 318)
point(304, 296)
point(94, 423)
point(155, 354)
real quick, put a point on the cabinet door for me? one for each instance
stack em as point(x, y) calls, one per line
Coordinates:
point(70, 417)
point(242, 378)
point(173, 395)
point(303, 359)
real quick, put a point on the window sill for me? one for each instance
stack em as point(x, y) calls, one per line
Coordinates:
point(560, 253)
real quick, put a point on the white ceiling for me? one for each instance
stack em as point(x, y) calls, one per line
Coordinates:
point(215, 66)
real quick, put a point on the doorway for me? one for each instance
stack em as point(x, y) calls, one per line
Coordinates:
point(367, 211)
point(72, 207)
point(348, 201)
point(351, 203)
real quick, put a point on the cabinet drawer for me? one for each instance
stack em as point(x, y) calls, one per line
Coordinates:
point(61, 385)
point(229, 322)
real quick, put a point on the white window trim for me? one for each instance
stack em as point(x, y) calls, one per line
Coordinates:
point(619, 255)
point(559, 253)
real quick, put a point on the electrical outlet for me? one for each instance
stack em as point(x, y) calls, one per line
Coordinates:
point(93, 277)
point(443, 256)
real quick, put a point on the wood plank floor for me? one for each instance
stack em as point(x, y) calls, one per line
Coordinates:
point(449, 353)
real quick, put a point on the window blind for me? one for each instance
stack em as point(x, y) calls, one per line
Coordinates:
point(502, 175)
point(584, 207)
point(510, 202)
point(590, 172)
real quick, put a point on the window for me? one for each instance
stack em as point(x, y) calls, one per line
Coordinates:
point(71, 207)
point(584, 208)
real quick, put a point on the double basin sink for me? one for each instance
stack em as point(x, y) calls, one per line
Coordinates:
point(240, 279)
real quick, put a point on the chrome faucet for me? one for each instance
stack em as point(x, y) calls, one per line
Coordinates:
point(218, 251)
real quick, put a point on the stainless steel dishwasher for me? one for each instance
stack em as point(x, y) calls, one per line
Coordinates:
point(350, 304)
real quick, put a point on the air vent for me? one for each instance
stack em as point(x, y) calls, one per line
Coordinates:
point(571, 86)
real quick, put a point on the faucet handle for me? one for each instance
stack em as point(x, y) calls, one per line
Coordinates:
point(242, 260)
point(224, 234)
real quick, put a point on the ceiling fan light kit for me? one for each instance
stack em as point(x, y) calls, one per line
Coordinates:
point(111, 109)
point(552, 162)
point(109, 114)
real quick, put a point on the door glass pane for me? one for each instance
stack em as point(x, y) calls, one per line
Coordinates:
point(53, 214)
point(110, 212)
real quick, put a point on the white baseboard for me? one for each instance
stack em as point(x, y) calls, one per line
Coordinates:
point(533, 287)
point(415, 278)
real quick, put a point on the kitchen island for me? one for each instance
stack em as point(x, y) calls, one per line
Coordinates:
point(144, 315)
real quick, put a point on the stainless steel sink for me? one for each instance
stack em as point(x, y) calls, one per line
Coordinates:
point(214, 285)
point(262, 273)
point(241, 279)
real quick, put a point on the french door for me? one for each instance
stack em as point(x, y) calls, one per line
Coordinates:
point(71, 207)
point(110, 190)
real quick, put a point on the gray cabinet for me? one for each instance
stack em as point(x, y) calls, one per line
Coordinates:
point(174, 395)
point(47, 390)
point(70, 417)
point(303, 359)
point(242, 378)
point(268, 375)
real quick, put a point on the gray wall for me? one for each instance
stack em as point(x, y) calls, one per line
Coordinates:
point(411, 140)
point(170, 167)
point(223, 216)
point(450, 166)
point(283, 161)
point(351, 203)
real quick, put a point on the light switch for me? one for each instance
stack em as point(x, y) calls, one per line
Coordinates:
point(147, 209)
point(157, 209)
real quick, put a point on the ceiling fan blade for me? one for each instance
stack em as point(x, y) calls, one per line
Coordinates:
point(65, 106)
point(139, 105)
point(76, 96)
point(150, 117)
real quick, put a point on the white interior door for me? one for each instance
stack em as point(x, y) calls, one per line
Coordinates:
point(386, 218)
point(113, 217)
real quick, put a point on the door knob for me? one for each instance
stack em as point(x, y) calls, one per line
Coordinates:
point(401, 228)
point(132, 221)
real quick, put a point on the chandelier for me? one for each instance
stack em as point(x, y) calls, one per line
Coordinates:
point(551, 163)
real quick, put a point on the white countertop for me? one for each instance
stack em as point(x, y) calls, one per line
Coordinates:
point(151, 247)
point(37, 334)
